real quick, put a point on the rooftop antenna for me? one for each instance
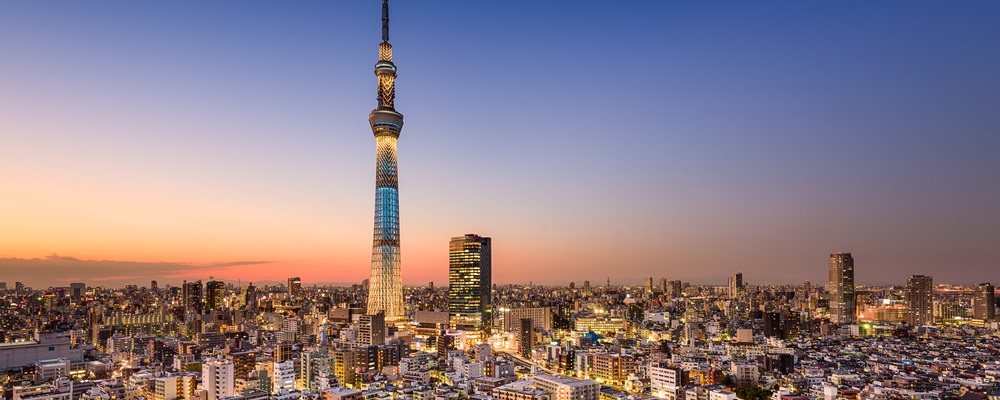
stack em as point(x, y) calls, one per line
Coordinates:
point(385, 21)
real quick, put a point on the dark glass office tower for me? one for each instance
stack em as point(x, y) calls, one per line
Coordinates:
point(470, 283)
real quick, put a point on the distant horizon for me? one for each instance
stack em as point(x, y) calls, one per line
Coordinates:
point(65, 264)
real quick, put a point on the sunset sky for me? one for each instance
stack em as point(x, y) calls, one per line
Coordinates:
point(687, 140)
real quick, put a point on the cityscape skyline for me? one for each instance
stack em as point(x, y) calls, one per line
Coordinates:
point(197, 158)
point(623, 185)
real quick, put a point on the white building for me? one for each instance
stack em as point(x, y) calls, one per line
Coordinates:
point(50, 370)
point(665, 381)
point(61, 389)
point(565, 388)
point(745, 374)
point(217, 379)
point(46, 346)
point(283, 377)
point(720, 394)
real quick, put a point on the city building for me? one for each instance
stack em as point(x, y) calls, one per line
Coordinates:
point(843, 299)
point(541, 318)
point(215, 293)
point(984, 303)
point(470, 283)
point(294, 286)
point(282, 376)
point(666, 381)
point(340, 393)
point(77, 289)
point(192, 297)
point(565, 388)
point(735, 285)
point(525, 338)
point(45, 346)
point(344, 362)
point(371, 329)
point(745, 374)
point(217, 379)
point(920, 300)
point(611, 368)
point(250, 297)
point(385, 288)
point(50, 370)
point(599, 324)
point(60, 389)
point(174, 387)
point(676, 289)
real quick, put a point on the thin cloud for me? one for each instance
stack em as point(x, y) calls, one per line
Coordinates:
point(237, 263)
point(56, 270)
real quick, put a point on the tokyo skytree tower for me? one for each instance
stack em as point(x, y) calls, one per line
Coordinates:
point(385, 290)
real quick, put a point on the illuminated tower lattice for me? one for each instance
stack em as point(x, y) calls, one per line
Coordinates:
point(385, 290)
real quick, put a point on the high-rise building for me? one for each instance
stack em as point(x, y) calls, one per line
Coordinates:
point(676, 289)
point(283, 376)
point(735, 285)
point(294, 286)
point(843, 300)
point(772, 324)
point(649, 284)
point(920, 300)
point(217, 379)
point(77, 289)
point(984, 303)
point(663, 285)
point(444, 342)
point(385, 291)
point(250, 297)
point(525, 337)
point(371, 329)
point(470, 283)
point(215, 292)
point(191, 295)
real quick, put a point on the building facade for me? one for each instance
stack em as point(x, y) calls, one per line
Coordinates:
point(984, 303)
point(470, 283)
point(920, 300)
point(843, 299)
point(541, 318)
point(564, 388)
point(735, 285)
point(217, 379)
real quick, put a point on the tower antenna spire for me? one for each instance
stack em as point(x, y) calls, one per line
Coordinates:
point(385, 289)
point(385, 21)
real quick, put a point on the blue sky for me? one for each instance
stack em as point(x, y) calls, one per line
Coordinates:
point(686, 140)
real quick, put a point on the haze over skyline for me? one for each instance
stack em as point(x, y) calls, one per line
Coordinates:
point(679, 140)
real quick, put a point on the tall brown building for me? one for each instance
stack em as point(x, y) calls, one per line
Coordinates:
point(843, 299)
point(920, 300)
point(984, 303)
